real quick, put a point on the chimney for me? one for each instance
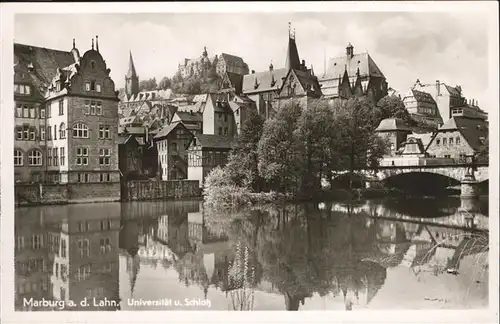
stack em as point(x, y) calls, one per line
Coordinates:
point(97, 43)
point(438, 88)
point(350, 51)
point(303, 63)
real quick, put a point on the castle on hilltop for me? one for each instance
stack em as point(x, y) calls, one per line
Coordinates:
point(201, 66)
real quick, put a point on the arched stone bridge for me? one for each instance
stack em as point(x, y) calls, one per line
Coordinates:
point(456, 172)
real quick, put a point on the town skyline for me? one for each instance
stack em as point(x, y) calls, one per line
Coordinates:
point(406, 46)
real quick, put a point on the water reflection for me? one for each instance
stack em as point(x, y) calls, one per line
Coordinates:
point(329, 256)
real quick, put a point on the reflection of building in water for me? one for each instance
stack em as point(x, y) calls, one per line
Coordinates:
point(82, 245)
point(33, 258)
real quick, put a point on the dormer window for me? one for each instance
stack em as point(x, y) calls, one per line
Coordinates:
point(87, 86)
point(92, 85)
point(92, 64)
point(98, 87)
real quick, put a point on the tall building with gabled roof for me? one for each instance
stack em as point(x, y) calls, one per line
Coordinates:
point(66, 120)
point(353, 73)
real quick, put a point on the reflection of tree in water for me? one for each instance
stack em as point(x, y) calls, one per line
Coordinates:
point(302, 251)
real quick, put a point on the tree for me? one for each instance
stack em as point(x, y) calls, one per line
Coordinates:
point(165, 83)
point(243, 161)
point(148, 85)
point(279, 149)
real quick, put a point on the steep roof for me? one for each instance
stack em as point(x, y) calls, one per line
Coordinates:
point(292, 60)
point(452, 90)
point(131, 67)
point(264, 81)
point(392, 124)
point(236, 80)
point(363, 61)
point(471, 129)
point(422, 96)
point(164, 131)
point(214, 141)
point(425, 138)
point(307, 79)
point(188, 116)
point(38, 66)
point(233, 60)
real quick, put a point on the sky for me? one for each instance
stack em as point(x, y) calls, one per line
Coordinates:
point(448, 46)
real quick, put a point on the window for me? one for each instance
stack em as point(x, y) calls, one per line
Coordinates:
point(32, 134)
point(35, 158)
point(105, 225)
point(444, 141)
point(83, 247)
point(37, 241)
point(225, 117)
point(19, 133)
point(173, 147)
point(80, 130)
point(32, 112)
point(92, 64)
point(18, 158)
point(447, 156)
point(42, 133)
point(61, 107)
point(57, 269)
point(105, 245)
point(55, 157)
point(92, 85)
point(49, 156)
point(451, 140)
point(225, 131)
point(83, 177)
point(104, 156)
point(220, 130)
point(107, 267)
point(99, 108)
point(20, 243)
point(92, 107)
point(83, 273)
point(49, 133)
point(87, 107)
point(83, 226)
point(62, 131)
point(42, 113)
point(19, 111)
point(438, 141)
point(62, 155)
point(87, 86)
point(457, 140)
point(104, 131)
point(63, 248)
point(237, 112)
point(55, 132)
point(22, 89)
point(82, 156)
point(98, 87)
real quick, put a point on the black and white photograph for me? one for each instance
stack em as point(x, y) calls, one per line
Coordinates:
point(292, 157)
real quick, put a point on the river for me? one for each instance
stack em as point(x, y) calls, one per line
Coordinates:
point(391, 254)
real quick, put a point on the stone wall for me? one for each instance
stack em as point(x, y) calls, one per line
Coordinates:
point(49, 194)
point(153, 190)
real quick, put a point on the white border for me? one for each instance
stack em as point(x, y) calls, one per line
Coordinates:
point(7, 11)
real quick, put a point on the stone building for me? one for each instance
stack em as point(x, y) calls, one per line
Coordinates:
point(66, 116)
point(451, 101)
point(266, 88)
point(218, 117)
point(205, 152)
point(422, 107)
point(219, 64)
point(394, 131)
point(353, 73)
point(172, 142)
point(458, 138)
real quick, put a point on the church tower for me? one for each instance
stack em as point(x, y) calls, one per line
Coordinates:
point(131, 79)
point(292, 54)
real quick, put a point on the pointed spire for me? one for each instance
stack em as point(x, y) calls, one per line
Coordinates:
point(74, 43)
point(312, 69)
point(292, 54)
point(97, 43)
point(131, 67)
point(92, 43)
